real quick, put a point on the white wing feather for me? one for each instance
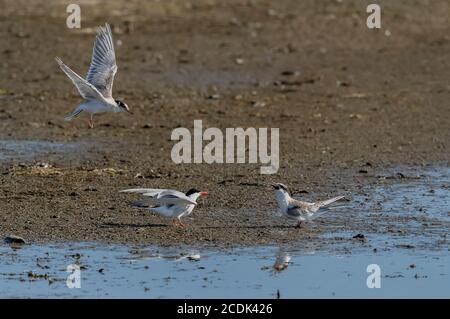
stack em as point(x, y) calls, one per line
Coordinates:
point(158, 196)
point(152, 192)
point(86, 89)
point(103, 64)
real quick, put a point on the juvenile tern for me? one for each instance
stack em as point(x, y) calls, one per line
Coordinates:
point(167, 202)
point(299, 210)
point(96, 89)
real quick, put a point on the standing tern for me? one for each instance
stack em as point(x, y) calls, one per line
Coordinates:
point(167, 202)
point(299, 210)
point(96, 89)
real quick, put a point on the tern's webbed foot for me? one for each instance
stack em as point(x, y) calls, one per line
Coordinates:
point(181, 224)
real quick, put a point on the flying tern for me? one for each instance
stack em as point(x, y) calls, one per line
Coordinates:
point(96, 89)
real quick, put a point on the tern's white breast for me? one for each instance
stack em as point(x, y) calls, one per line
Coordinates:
point(95, 107)
point(283, 200)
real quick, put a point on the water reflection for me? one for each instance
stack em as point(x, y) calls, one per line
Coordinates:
point(413, 259)
point(282, 261)
point(186, 272)
point(139, 254)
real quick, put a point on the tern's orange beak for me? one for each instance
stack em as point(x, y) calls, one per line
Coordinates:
point(203, 193)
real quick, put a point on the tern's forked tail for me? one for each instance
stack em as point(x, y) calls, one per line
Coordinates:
point(323, 206)
point(74, 114)
point(330, 201)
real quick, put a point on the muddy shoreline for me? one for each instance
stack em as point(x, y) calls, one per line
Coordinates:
point(352, 105)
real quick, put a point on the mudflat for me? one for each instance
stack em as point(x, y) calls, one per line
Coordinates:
point(352, 104)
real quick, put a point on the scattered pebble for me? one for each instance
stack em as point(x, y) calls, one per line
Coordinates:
point(407, 246)
point(356, 116)
point(360, 237)
point(291, 73)
point(213, 97)
point(194, 257)
point(13, 239)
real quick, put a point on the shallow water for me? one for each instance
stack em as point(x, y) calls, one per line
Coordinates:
point(25, 150)
point(405, 225)
point(126, 272)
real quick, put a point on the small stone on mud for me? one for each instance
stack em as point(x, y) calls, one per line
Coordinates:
point(37, 276)
point(290, 73)
point(194, 257)
point(258, 103)
point(360, 237)
point(355, 116)
point(43, 165)
point(107, 171)
point(408, 246)
point(213, 97)
point(13, 239)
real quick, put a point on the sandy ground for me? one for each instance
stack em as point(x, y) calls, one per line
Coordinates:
point(348, 100)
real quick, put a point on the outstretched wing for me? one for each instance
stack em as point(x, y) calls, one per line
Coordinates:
point(162, 196)
point(103, 64)
point(298, 204)
point(166, 200)
point(152, 192)
point(86, 90)
point(172, 200)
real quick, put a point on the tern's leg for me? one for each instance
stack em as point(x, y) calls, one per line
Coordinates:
point(174, 222)
point(299, 224)
point(181, 223)
point(91, 121)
